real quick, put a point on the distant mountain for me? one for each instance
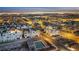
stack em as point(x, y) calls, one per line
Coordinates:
point(37, 9)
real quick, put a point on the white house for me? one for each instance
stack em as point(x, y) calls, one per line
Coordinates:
point(11, 35)
point(31, 33)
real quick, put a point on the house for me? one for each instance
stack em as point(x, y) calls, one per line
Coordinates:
point(11, 35)
point(31, 33)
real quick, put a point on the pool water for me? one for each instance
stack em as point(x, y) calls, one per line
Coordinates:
point(39, 45)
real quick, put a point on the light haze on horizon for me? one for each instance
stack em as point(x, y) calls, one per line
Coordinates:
point(30, 9)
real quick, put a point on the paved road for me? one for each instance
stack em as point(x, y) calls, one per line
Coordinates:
point(61, 46)
point(15, 44)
